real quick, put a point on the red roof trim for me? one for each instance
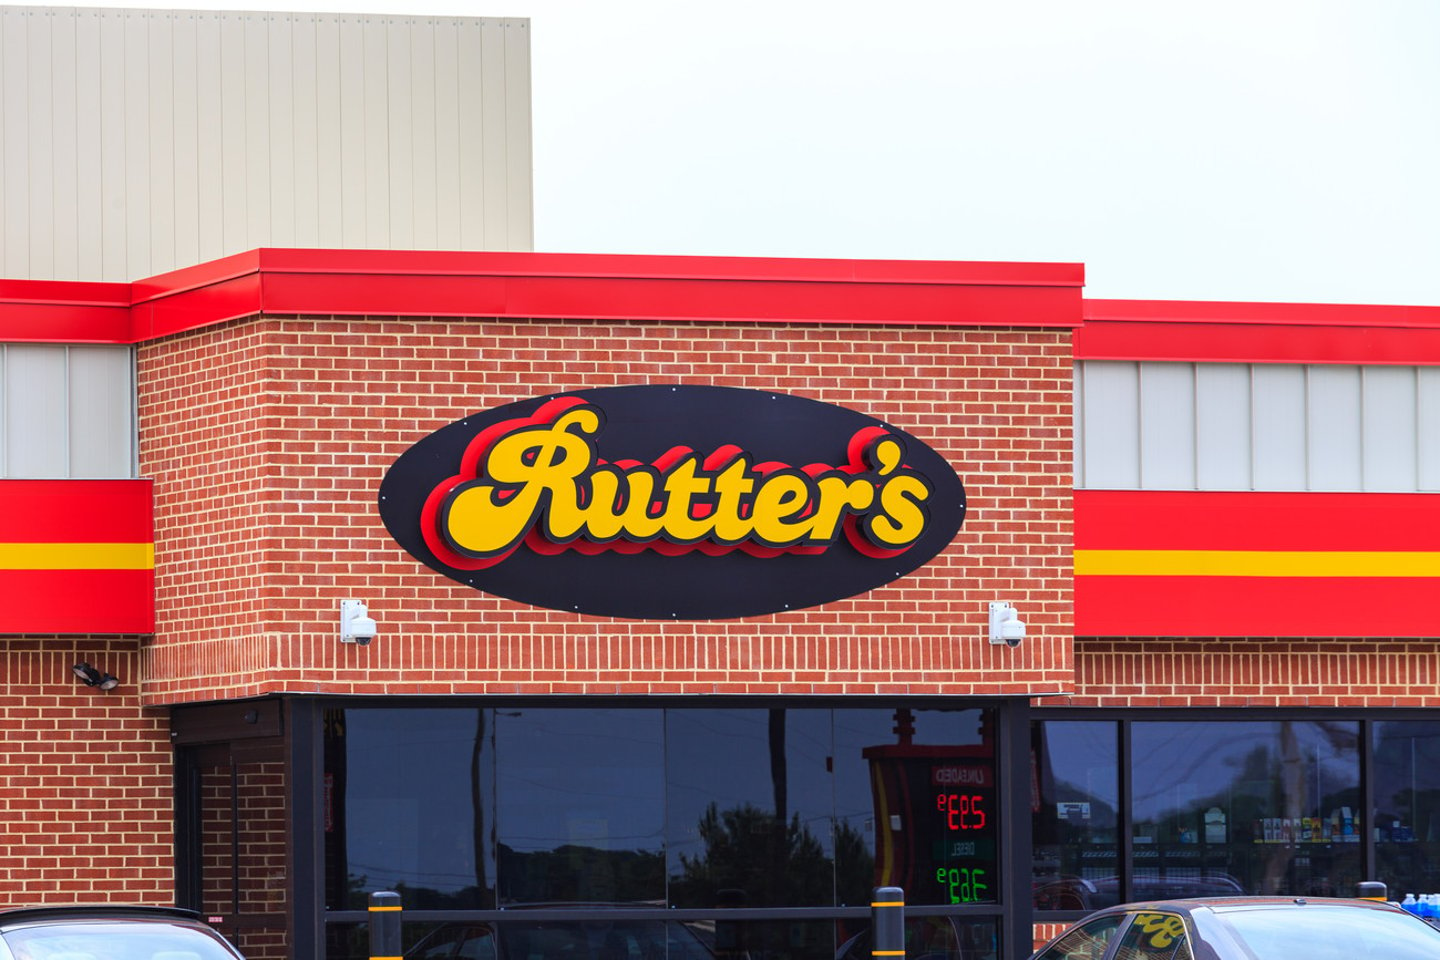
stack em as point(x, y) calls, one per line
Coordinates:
point(1207, 331)
point(541, 285)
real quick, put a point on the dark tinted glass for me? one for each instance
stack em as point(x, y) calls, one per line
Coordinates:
point(1256, 808)
point(916, 805)
point(580, 805)
point(750, 804)
point(1407, 806)
point(928, 938)
point(1076, 802)
point(409, 804)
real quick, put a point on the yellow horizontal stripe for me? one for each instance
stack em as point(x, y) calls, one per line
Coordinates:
point(383, 909)
point(1256, 563)
point(887, 953)
point(77, 556)
point(888, 903)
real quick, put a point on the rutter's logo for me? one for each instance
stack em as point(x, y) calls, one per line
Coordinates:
point(594, 501)
point(539, 480)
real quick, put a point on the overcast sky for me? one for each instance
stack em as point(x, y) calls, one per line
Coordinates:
point(1224, 149)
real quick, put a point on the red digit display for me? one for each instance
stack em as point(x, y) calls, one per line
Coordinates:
point(963, 811)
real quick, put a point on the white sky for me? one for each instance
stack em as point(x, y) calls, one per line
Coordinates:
point(1204, 149)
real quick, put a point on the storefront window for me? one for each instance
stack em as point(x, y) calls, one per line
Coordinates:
point(1075, 805)
point(916, 805)
point(408, 807)
point(1245, 808)
point(580, 805)
point(1407, 806)
point(692, 808)
point(750, 804)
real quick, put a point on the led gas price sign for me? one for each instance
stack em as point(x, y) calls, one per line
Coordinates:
point(963, 832)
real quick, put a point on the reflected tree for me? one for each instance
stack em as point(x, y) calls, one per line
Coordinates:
point(755, 858)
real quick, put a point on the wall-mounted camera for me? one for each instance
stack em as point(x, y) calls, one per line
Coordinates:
point(356, 625)
point(1005, 624)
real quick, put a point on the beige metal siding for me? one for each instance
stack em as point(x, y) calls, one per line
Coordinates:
point(137, 141)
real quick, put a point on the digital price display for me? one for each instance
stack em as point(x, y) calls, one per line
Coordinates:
point(937, 816)
point(961, 832)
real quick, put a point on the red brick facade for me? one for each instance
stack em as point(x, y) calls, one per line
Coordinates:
point(86, 810)
point(267, 438)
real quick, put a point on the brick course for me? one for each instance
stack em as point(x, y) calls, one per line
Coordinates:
point(1253, 672)
point(267, 438)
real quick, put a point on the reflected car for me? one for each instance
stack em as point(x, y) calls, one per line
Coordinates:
point(109, 933)
point(1247, 928)
point(1079, 893)
point(597, 939)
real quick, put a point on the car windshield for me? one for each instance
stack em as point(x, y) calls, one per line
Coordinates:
point(1317, 932)
point(114, 940)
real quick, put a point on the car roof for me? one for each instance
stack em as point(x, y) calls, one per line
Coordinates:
point(1231, 904)
point(11, 916)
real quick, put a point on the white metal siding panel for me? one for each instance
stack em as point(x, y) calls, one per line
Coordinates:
point(1112, 456)
point(134, 141)
point(211, 174)
point(447, 136)
point(89, 169)
point(35, 411)
point(136, 117)
point(1334, 423)
point(114, 204)
point(517, 134)
point(160, 68)
point(65, 248)
point(15, 150)
point(280, 35)
point(185, 139)
point(1280, 430)
point(40, 140)
point(101, 422)
point(400, 115)
point(1077, 433)
point(304, 65)
point(1390, 429)
point(1167, 426)
point(1222, 427)
point(1427, 389)
point(423, 137)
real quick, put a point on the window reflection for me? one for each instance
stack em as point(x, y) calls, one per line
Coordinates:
point(916, 805)
point(580, 800)
point(1075, 808)
point(1258, 808)
point(407, 807)
point(750, 804)
point(1407, 806)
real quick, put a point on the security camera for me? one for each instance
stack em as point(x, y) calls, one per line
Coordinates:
point(356, 625)
point(1005, 624)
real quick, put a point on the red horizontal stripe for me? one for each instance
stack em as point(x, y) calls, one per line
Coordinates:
point(1255, 607)
point(76, 511)
point(77, 601)
point(1189, 520)
point(1267, 314)
point(562, 286)
point(1232, 343)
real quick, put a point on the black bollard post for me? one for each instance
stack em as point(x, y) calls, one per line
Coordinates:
point(385, 914)
point(887, 922)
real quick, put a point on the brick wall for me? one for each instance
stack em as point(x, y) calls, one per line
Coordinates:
point(267, 439)
point(85, 778)
point(1253, 672)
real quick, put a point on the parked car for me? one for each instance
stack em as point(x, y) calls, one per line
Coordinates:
point(1247, 928)
point(109, 933)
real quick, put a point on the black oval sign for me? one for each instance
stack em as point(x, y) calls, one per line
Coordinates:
point(672, 502)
